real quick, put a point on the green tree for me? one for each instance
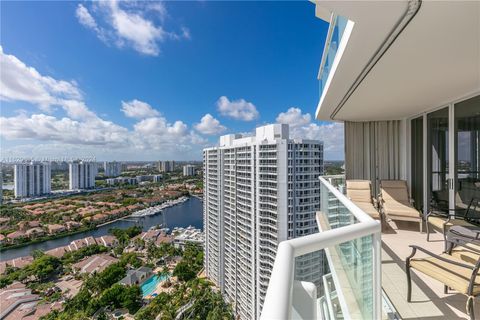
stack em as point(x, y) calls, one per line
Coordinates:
point(43, 267)
point(184, 271)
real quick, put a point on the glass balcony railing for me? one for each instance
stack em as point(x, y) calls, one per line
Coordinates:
point(334, 36)
point(334, 274)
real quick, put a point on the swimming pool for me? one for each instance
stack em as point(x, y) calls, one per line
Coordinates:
point(149, 286)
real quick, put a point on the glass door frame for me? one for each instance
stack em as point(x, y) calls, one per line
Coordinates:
point(451, 158)
point(452, 177)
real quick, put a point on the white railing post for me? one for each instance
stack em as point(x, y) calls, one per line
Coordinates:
point(377, 275)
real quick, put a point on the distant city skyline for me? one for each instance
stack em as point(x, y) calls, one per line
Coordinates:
point(156, 81)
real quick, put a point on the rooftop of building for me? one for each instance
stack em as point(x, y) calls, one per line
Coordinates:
point(95, 263)
point(136, 276)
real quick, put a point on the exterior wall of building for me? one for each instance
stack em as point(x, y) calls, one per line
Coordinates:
point(166, 166)
point(213, 222)
point(112, 169)
point(32, 179)
point(82, 175)
point(258, 191)
point(188, 170)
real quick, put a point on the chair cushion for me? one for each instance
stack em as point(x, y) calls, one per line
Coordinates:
point(458, 222)
point(438, 221)
point(369, 209)
point(396, 209)
point(395, 190)
point(359, 191)
point(468, 252)
point(455, 277)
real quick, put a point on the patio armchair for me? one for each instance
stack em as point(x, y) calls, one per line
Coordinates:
point(440, 220)
point(360, 192)
point(396, 203)
point(463, 242)
point(453, 272)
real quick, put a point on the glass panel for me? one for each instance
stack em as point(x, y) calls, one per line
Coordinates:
point(347, 281)
point(351, 265)
point(338, 25)
point(437, 147)
point(467, 155)
point(417, 161)
point(334, 213)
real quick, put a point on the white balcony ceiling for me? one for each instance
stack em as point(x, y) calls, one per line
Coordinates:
point(434, 61)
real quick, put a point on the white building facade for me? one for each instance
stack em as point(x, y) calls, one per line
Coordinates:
point(112, 169)
point(166, 166)
point(82, 175)
point(188, 170)
point(258, 191)
point(32, 179)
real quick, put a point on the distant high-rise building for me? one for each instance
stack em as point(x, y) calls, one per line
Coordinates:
point(166, 166)
point(112, 169)
point(188, 170)
point(258, 191)
point(1, 185)
point(32, 179)
point(82, 175)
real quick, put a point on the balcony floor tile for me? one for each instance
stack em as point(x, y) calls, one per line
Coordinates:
point(428, 300)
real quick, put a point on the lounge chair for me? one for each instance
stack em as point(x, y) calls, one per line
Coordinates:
point(450, 270)
point(396, 203)
point(360, 192)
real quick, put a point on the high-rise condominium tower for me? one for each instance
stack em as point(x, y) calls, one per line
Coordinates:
point(188, 170)
point(166, 166)
point(82, 175)
point(258, 191)
point(32, 179)
point(112, 169)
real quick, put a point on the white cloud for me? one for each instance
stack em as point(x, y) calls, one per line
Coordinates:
point(48, 128)
point(237, 109)
point(85, 18)
point(301, 127)
point(209, 125)
point(20, 82)
point(130, 24)
point(158, 126)
point(138, 109)
point(294, 118)
point(80, 126)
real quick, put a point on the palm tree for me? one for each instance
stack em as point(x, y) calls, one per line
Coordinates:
point(164, 273)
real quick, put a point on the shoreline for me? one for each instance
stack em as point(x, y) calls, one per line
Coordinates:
point(52, 237)
point(63, 235)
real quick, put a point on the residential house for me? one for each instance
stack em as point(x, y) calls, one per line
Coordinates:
point(95, 263)
point(136, 277)
point(16, 235)
point(55, 228)
point(34, 232)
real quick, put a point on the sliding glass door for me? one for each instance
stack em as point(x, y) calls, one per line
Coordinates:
point(437, 159)
point(417, 161)
point(467, 154)
point(445, 158)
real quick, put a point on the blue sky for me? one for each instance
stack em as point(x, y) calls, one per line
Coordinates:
point(156, 80)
